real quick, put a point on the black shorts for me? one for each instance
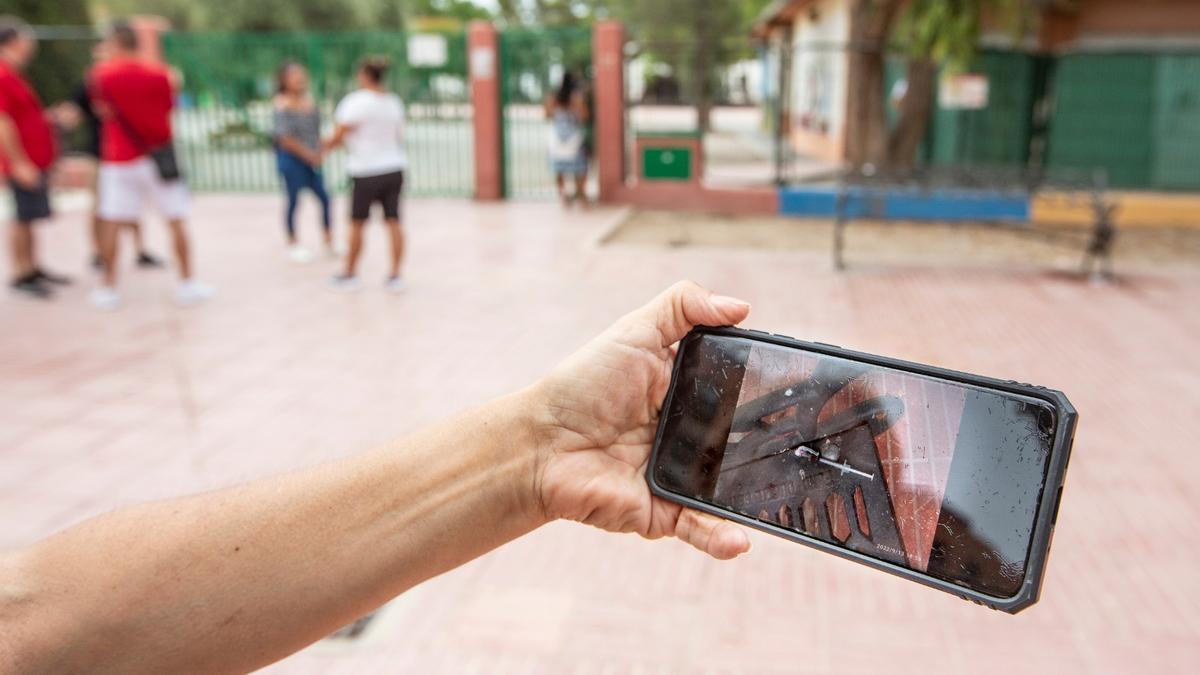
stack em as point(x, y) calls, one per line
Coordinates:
point(384, 189)
point(31, 204)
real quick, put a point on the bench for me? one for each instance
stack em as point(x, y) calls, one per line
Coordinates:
point(988, 197)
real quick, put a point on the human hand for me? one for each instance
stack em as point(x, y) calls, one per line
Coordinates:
point(66, 115)
point(599, 413)
point(25, 174)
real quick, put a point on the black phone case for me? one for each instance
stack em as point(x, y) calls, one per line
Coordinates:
point(1048, 503)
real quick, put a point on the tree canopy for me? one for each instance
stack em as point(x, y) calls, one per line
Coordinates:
point(931, 34)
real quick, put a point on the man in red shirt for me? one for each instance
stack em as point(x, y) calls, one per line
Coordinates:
point(26, 153)
point(134, 99)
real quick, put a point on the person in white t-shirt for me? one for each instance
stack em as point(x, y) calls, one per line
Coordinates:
point(370, 123)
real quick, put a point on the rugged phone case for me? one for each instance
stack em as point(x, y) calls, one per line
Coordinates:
point(1047, 510)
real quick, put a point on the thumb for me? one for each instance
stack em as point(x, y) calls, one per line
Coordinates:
point(686, 305)
point(719, 538)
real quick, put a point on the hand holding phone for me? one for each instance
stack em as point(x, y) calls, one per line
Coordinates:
point(945, 478)
point(603, 408)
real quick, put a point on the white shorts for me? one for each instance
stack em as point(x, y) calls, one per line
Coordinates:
point(125, 187)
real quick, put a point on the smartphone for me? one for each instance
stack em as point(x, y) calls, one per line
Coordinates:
point(948, 479)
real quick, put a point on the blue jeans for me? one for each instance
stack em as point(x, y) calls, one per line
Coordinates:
point(298, 175)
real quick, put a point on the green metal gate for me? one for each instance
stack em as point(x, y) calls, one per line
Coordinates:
point(532, 62)
point(1137, 115)
point(1102, 116)
point(223, 123)
point(1176, 163)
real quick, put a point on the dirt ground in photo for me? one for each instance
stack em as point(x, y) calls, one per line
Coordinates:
point(903, 243)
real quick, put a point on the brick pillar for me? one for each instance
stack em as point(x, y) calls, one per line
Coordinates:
point(608, 62)
point(149, 31)
point(484, 64)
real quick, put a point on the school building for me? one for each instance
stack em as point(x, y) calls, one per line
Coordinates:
point(1111, 84)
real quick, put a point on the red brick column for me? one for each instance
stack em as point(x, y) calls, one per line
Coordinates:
point(608, 61)
point(484, 65)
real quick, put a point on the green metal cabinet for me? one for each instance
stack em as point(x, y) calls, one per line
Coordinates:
point(666, 163)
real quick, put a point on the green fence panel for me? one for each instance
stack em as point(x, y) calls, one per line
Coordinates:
point(1103, 116)
point(532, 62)
point(223, 124)
point(1176, 160)
point(997, 134)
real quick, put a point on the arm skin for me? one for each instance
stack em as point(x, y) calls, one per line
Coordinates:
point(232, 580)
point(579, 106)
point(338, 136)
point(298, 149)
point(23, 171)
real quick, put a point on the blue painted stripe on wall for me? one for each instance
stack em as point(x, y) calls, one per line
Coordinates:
point(905, 204)
point(807, 202)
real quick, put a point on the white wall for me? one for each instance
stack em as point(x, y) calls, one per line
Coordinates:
point(819, 67)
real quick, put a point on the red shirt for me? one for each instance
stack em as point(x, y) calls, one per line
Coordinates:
point(21, 104)
point(139, 99)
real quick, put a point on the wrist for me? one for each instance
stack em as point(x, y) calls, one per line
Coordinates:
point(535, 445)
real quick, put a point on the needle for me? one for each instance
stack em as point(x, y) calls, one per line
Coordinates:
point(777, 453)
point(844, 466)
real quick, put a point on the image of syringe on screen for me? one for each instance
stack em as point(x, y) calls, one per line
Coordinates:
point(852, 454)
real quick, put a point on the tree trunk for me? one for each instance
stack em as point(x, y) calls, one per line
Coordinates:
point(915, 110)
point(866, 129)
point(701, 97)
point(866, 122)
point(703, 114)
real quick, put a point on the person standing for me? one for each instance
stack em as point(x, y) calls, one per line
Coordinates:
point(298, 153)
point(567, 111)
point(134, 99)
point(370, 122)
point(27, 151)
point(84, 113)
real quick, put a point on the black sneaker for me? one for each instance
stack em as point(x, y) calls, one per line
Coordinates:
point(149, 262)
point(98, 263)
point(51, 278)
point(33, 287)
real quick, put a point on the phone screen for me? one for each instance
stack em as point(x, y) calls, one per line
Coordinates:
point(940, 477)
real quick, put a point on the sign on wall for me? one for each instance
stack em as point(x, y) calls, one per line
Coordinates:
point(427, 50)
point(964, 91)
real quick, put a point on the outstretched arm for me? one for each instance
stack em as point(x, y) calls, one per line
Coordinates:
point(337, 137)
point(235, 579)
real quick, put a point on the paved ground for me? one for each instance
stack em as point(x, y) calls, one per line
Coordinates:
point(100, 410)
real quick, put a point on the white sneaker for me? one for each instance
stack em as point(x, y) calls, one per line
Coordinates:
point(345, 283)
point(335, 251)
point(394, 284)
point(104, 298)
point(299, 255)
point(192, 292)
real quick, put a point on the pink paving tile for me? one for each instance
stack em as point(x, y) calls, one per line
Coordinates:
point(100, 410)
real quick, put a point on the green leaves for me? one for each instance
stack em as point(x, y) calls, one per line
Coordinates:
point(948, 31)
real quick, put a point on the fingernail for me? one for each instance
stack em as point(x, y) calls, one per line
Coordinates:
point(729, 303)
